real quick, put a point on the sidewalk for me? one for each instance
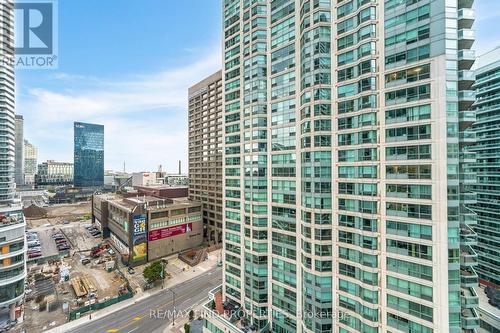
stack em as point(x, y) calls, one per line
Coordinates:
point(180, 322)
point(175, 280)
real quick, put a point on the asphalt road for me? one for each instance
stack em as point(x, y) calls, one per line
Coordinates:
point(140, 317)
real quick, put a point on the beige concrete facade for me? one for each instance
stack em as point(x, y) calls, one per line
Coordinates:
point(205, 152)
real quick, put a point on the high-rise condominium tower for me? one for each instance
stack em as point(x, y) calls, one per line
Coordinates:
point(205, 152)
point(19, 151)
point(12, 223)
point(487, 149)
point(30, 163)
point(343, 126)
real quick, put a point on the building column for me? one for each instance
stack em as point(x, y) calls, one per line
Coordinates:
point(12, 311)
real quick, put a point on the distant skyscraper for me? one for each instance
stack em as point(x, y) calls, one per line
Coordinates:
point(343, 206)
point(205, 151)
point(30, 163)
point(19, 164)
point(12, 222)
point(487, 169)
point(89, 155)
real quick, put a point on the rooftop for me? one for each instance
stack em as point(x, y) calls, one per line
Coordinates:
point(152, 202)
point(161, 186)
point(484, 305)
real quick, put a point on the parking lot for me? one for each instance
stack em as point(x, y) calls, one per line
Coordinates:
point(44, 243)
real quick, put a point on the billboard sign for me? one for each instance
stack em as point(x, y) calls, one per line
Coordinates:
point(170, 231)
point(139, 241)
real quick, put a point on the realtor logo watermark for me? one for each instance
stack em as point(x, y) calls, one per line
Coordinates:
point(36, 38)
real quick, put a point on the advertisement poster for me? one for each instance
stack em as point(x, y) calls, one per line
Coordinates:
point(170, 231)
point(139, 240)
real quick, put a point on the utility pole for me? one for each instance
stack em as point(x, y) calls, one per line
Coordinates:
point(173, 302)
point(90, 306)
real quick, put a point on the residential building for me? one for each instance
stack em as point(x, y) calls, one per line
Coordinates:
point(53, 173)
point(147, 228)
point(205, 152)
point(176, 180)
point(345, 132)
point(487, 169)
point(12, 222)
point(19, 150)
point(30, 163)
point(89, 155)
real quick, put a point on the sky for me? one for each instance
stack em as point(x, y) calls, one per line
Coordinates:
point(127, 65)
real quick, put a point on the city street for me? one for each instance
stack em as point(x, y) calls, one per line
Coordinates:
point(138, 318)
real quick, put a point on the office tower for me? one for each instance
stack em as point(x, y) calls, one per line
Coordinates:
point(30, 163)
point(205, 152)
point(89, 155)
point(487, 169)
point(12, 223)
point(343, 127)
point(19, 151)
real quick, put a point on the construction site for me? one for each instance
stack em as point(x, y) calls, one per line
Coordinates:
point(37, 216)
point(62, 289)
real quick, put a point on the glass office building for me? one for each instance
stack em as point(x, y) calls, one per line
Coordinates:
point(487, 149)
point(89, 155)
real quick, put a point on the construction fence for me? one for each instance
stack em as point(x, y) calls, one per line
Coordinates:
point(75, 314)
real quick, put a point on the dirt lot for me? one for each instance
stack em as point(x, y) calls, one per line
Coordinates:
point(57, 214)
point(46, 280)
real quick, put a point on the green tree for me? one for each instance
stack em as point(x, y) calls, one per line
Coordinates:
point(191, 315)
point(187, 328)
point(152, 272)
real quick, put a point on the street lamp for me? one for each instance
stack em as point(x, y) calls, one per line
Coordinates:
point(173, 303)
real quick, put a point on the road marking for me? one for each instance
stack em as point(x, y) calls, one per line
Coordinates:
point(132, 330)
point(160, 306)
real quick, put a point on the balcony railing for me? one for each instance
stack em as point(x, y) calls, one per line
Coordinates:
point(470, 319)
point(466, 58)
point(465, 18)
point(10, 219)
point(468, 257)
point(468, 277)
point(467, 235)
point(469, 298)
point(466, 38)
